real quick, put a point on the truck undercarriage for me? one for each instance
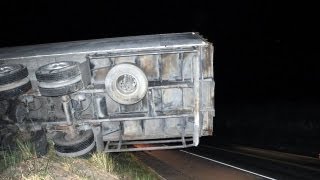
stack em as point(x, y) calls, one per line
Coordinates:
point(111, 94)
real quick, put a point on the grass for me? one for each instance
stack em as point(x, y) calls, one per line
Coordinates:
point(23, 163)
point(10, 158)
point(125, 165)
point(104, 161)
point(24, 160)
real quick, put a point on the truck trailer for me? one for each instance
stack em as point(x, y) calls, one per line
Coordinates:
point(110, 95)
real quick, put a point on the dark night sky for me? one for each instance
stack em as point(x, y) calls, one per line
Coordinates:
point(263, 89)
point(246, 35)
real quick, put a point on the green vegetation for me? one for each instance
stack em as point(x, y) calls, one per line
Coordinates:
point(23, 163)
point(10, 158)
point(125, 165)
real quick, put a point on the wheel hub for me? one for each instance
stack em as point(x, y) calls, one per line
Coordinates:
point(58, 65)
point(126, 83)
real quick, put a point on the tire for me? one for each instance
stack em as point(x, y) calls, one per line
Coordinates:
point(126, 84)
point(12, 72)
point(81, 145)
point(58, 71)
point(7, 94)
point(60, 91)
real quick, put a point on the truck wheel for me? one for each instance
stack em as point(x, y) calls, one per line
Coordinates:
point(58, 71)
point(60, 91)
point(126, 84)
point(81, 145)
point(14, 91)
point(59, 78)
point(14, 80)
point(12, 72)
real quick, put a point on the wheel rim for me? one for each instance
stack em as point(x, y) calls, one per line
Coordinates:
point(56, 66)
point(126, 84)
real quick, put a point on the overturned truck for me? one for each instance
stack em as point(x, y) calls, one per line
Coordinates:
point(111, 94)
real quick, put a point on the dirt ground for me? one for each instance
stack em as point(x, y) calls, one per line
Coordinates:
point(64, 169)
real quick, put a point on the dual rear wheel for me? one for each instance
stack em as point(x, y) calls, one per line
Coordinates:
point(59, 78)
point(125, 84)
point(14, 80)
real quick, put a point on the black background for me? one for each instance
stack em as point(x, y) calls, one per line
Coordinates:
point(266, 92)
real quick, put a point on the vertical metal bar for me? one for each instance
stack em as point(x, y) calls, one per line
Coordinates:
point(98, 138)
point(192, 69)
point(151, 105)
point(159, 59)
point(120, 136)
point(196, 88)
point(107, 146)
point(120, 142)
point(93, 107)
point(201, 61)
point(211, 49)
point(119, 108)
point(182, 97)
point(65, 104)
point(181, 61)
point(184, 132)
point(148, 102)
point(160, 64)
point(183, 141)
point(161, 93)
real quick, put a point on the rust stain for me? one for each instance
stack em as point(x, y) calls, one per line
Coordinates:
point(150, 66)
point(170, 67)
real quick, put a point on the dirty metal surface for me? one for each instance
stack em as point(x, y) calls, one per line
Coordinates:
point(179, 98)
